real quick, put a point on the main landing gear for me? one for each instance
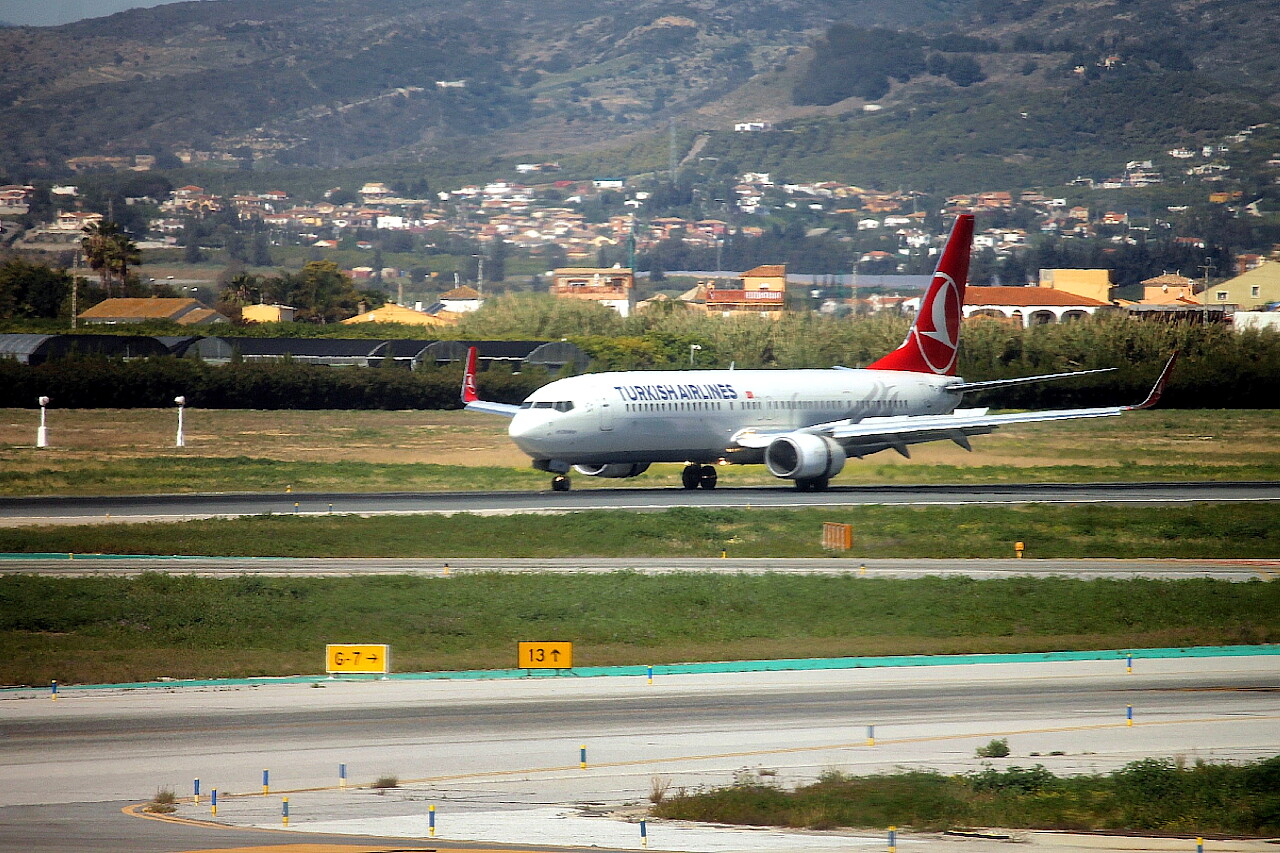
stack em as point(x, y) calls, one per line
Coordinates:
point(813, 484)
point(694, 476)
point(560, 483)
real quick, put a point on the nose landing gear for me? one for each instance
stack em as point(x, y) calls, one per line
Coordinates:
point(560, 483)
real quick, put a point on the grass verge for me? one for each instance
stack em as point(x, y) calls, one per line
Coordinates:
point(111, 629)
point(170, 475)
point(1200, 531)
point(1152, 795)
point(130, 451)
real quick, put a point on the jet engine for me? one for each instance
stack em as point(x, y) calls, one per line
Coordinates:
point(804, 456)
point(616, 469)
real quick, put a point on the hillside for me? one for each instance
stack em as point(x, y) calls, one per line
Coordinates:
point(971, 91)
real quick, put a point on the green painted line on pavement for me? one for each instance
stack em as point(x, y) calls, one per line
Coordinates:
point(785, 665)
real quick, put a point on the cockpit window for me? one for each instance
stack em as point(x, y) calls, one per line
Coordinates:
point(559, 405)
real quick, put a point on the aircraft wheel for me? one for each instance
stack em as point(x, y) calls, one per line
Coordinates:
point(691, 476)
point(560, 484)
point(804, 485)
point(707, 477)
point(820, 484)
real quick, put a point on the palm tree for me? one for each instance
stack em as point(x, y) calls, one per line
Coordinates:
point(110, 252)
point(98, 244)
point(126, 254)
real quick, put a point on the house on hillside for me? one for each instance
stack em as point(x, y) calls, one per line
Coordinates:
point(761, 291)
point(1029, 306)
point(1168, 289)
point(267, 313)
point(461, 299)
point(1249, 291)
point(612, 287)
point(392, 313)
point(1095, 284)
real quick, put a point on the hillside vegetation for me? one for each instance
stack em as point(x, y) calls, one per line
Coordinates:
point(970, 88)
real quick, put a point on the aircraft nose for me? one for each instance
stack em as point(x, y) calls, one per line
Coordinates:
point(527, 429)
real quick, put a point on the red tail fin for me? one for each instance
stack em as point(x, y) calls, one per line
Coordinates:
point(930, 345)
point(469, 393)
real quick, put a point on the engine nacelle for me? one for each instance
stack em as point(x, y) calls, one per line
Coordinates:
point(804, 456)
point(616, 469)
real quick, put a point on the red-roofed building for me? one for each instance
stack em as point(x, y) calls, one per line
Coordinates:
point(762, 290)
point(1029, 306)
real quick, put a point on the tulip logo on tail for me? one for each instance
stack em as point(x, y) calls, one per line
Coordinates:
point(933, 340)
point(937, 329)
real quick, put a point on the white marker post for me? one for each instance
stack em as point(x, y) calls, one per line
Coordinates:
point(181, 440)
point(42, 434)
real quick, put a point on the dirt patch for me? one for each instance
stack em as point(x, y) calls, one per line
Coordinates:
point(446, 438)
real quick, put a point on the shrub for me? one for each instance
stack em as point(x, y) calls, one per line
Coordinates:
point(162, 802)
point(996, 748)
point(1019, 780)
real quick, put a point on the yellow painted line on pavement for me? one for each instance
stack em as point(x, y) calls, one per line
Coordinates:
point(754, 753)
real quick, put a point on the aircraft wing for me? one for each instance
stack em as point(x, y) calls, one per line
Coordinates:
point(875, 434)
point(871, 435)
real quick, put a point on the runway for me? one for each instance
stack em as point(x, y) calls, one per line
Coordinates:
point(97, 565)
point(503, 758)
point(123, 509)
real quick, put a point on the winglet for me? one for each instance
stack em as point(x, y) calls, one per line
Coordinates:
point(1157, 390)
point(469, 393)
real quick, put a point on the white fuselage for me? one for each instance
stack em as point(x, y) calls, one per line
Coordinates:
point(692, 416)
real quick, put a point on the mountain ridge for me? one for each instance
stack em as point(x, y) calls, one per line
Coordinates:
point(329, 83)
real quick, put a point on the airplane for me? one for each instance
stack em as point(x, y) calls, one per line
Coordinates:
point(801, 424)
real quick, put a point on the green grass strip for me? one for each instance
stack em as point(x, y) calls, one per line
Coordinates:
point(1249, 530)
point(142, 628)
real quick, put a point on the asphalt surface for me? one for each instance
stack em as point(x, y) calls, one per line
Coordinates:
point(498, 753)
point(88, 565)
point(87, 510)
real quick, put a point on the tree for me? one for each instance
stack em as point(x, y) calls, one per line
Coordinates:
point(261, 251)
point(97, 245)
point(32, 290)
point(496, 268)
point(110, 252)
point(321, 292)
point(190, 239)
point(965, 71)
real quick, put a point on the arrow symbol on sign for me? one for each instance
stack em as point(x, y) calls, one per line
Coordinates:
point(555, 654)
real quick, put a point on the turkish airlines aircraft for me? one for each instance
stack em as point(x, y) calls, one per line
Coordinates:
point(802, 424)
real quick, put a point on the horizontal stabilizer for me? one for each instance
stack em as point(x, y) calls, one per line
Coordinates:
point(505, 409)
point(966, 387)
